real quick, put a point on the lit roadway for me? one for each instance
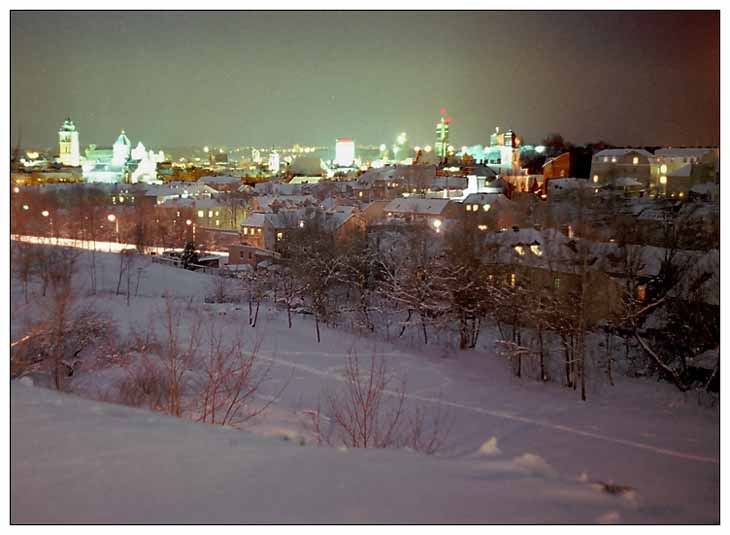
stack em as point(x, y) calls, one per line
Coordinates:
point(101, 246)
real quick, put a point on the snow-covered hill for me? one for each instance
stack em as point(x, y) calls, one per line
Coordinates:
point(75, 460)
point(80, 461)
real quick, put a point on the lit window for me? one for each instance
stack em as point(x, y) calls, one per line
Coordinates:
point(468, 207)
point(556, 283)
point(663, 179)
point(201, 213)
point(535, 249)
point(513, 280)
point(258, 230)
point(217, 222)
point(279, 235)
point(178, 214)
point(663, 169)
point(210, 213)
point(245, 230)
point(636, 160)
point(595, 178)
point(605, 159)
point(482, 227)
point(216, 213)
point(520, 250)
point(613, 160)
point(641, 293)
point(486, 207)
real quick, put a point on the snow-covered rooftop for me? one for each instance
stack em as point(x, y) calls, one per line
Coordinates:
point(417, 205)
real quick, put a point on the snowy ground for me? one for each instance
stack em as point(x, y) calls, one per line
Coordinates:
point(70, 453)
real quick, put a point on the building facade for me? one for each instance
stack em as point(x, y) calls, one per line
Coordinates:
point(68, 144)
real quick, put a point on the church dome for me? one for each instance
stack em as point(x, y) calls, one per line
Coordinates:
point(123, 140)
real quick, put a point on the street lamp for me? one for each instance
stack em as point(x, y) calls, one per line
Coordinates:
point(113, 219)
point(46, 213)
point(189, 222)
point(437, 225)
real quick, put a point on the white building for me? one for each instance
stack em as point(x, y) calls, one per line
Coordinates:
point(122, 150)
point(274, 162)
point(344, 152)
point(68, 144)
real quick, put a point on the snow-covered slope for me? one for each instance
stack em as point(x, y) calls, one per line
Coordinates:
point(74, 457)
point(79, 461)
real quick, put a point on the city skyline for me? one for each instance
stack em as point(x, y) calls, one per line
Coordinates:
point(263, 78)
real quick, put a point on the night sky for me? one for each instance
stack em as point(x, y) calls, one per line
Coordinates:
point(247, 78)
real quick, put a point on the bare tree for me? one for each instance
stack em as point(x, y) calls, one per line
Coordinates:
point(23, 263)
point(231, 379)
point(370, 412)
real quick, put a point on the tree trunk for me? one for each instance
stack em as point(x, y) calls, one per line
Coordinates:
point(256, 315)
point(405, 324)
point(542, 352)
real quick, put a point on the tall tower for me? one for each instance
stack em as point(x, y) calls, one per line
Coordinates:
point(442, 135)
point(68, 144)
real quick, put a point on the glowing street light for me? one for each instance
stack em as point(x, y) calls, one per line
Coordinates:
point(206, 149)
point(45, 213)
point(189, 222)
point(437, 225)
point(16, 189)
point(113, 219)
point(26, 207)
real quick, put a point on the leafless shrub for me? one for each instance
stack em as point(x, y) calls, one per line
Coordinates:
point(230, 380)
point(145, 385)
point(370, 412)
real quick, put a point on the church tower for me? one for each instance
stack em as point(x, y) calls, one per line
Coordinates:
point(68, 144)
point(122, 149)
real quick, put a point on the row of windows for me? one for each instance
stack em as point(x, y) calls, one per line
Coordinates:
point(201, 213)
point(513, 281)
point(475, 207)
point(251, 231)
point(634, 160)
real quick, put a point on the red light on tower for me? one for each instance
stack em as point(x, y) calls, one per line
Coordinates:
point(448, 120)
point(442, 111)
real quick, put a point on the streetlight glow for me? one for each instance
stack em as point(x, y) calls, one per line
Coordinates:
point(45, 213)
point(111, 218)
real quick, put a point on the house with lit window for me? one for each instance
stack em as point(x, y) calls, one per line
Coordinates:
point(611, 164)
point(550, 261)
point(433, 212)
point(489, 211)
point(677, 171)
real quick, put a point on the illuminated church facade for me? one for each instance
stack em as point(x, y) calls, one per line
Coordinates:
point(119, 164)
